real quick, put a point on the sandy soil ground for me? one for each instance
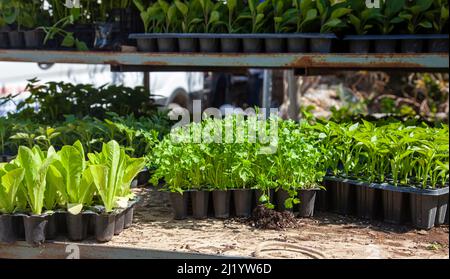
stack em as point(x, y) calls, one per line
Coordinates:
point(324, 236)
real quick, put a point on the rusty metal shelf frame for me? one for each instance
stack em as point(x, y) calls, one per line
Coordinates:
point(64, 250)
point(138, 61)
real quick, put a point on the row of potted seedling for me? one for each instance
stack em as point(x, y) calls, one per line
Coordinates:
point(290, 43)
point(411, 157)
point(31, 39)
point(36, 185)
point(38, 229)
point(400, 162)
point(398, 205)
point(239, 203)
point(424, 209)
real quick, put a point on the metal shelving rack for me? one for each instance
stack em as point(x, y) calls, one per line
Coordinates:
point(147, 62)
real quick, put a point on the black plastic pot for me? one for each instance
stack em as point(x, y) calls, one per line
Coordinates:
point(230, 45)
point(393, 206)
point(119, 223)
point(442, 210)
point(91, 225)
point(446, 216)
point(282, 196)
point(87, 33)
point(359, 46)
point(385, 46)
point(324, 198)
point(34, 39)
point(35, 229)
point(147, 45)
point(423, 210)
point(367, 201)
point(77, 226)
point(321, 45)
point(243, 202)
point(209, 45)
point(253, 45)
point(129, 214)
point(200, 201)
point(7, 231)
point(187, 45)
point(143, 177)
point(4, 40)
point(16, 40)
point(180, 205)
point(275, 45)
point(61, 221)
point(307, 201)
point(221, 202)
point(19, 226)
point(104, 227)
point(167, 45)
point(438, 45)
point(345, 198)
point(412, 46)
point(297, 45)
point(52, 227)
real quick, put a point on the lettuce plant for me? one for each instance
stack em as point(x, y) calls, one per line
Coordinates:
point(112, 172)
point(71, 177)
point(10, 182)
point(36, 164)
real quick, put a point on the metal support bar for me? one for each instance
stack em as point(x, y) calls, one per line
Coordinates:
point(293, 109)
point(267, 91)
point(195, 61)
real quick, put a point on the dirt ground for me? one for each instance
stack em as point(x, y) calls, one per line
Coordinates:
point(324, 236)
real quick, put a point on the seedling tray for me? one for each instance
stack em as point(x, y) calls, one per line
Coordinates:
point(292, 42)
point(46, 227)
point(423, 207)
point(234, 43)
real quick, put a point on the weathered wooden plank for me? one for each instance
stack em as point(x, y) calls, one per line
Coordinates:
point(66, 250)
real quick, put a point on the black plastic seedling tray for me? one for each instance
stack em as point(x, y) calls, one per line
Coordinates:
point(420, 43)
point(37, 229)
point(290, 43)
point(424, 207)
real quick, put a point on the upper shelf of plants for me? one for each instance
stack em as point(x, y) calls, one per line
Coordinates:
point(237, 33)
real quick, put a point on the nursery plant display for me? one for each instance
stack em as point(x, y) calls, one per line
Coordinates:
point(370, 166)
point(54, 192)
